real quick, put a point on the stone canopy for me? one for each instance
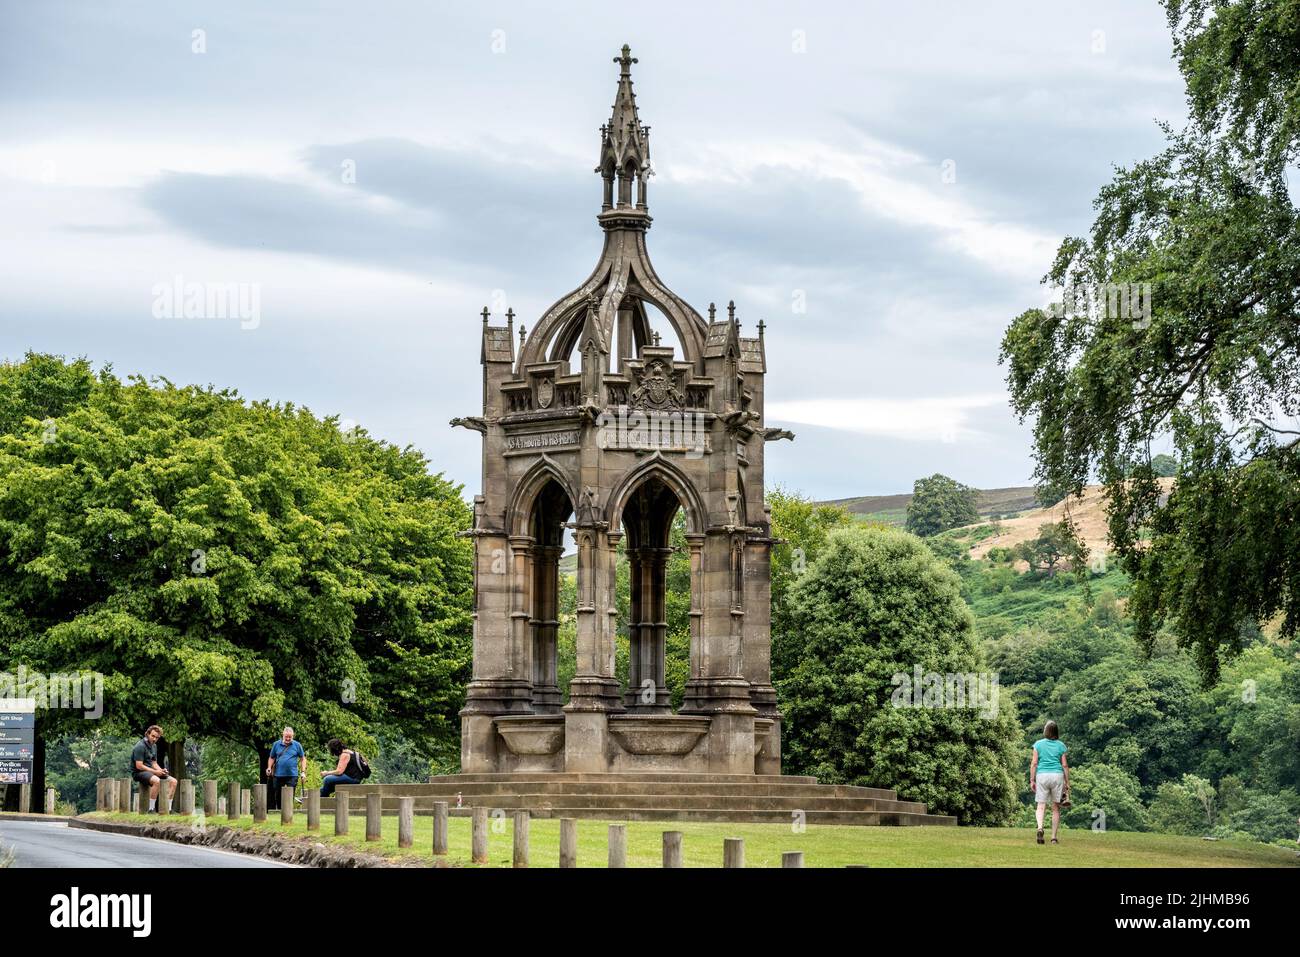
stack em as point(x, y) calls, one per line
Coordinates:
point(620, 407)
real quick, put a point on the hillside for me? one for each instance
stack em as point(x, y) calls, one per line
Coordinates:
point(892, 509)
point(1088, 513)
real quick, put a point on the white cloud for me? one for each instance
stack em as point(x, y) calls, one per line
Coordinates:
point(941, 419)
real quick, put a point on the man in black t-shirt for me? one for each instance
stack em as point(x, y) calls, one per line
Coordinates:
point(146, 769)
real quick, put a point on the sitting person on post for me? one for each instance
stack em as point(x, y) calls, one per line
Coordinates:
point(145, 768)
point(347, 772)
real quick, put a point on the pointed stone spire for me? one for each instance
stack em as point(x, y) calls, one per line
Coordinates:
point(625, 143)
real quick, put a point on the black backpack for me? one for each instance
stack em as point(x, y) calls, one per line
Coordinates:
point(363, 766)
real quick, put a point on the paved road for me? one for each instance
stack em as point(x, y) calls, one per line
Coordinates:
point(54, 844)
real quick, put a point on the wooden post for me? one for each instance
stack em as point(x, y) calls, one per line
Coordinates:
point(672, 848)
point(209, 798)
point(792, 859)
point(618, 845)
point(142, 799)
point(49, 800)
point(100, 790)
point(164, 803)
point(733, 852)
point(232, 800)
point(405, 821)
point(374, 816)
point(340, 812)
point(568, 842)
point(245, 801)
point(479, 839)
point(186, 789)
point(521, 839)
point(286, 805)
point(440, 828)
point(221, 805)
point(259, 803)
point(313, 809)
point(110, 794)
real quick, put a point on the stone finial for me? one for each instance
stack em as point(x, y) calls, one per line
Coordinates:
point(626, 60)
point(761, 326)
point(731, 310)
point(713, 311)
point(485, 315)
point(656, 337)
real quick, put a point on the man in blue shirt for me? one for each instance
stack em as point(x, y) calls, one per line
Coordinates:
point(286, 761)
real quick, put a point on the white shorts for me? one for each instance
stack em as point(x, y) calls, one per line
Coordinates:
point(1050, 788)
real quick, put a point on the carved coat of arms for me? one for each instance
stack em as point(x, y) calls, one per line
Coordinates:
point(657, 387)
point(545, 392)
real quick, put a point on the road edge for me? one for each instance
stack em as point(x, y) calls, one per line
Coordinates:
point(303, 853)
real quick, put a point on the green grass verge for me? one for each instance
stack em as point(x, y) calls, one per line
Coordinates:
point(823, 846)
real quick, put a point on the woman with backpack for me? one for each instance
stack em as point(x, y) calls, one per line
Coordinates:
point(351, 768)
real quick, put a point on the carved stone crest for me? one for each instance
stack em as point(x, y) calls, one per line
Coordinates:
point(656, 387)
point(545, 392)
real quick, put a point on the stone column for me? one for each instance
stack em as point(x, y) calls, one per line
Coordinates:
point(497, 687)
point(721, 690)
point(547, 697)
point(594, 692)
point(758, 649)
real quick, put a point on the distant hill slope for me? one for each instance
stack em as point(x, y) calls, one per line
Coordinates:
point(1088, 513)
point(892, 509)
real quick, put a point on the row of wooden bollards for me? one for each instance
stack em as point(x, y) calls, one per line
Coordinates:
point(25, 800)
point(115, 794)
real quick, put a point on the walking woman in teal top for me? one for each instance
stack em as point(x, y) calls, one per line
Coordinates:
point(1049, 777)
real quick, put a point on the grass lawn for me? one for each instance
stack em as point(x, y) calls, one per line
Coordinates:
point(823, 846)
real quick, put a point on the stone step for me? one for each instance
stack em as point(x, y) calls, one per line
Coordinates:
point(718, 802)
point(734, 816)
point(543, 785)
point(583, 776)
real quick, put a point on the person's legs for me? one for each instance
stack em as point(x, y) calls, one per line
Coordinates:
point(1056, 818)
point(1038, 813)
point(283, 781)
point(328, 784)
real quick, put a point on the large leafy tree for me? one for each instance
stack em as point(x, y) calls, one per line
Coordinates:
point(874, 605)
point(229, 567)
point(1204, 240)
point(800, 527)
point(938, 504)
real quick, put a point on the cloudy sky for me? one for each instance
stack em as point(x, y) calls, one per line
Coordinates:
point(884, 183)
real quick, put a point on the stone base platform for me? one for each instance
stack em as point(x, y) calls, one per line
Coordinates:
point(741, 798)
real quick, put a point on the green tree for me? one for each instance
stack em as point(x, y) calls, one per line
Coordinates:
point(1164, 466)
point(229, 567)
point(1054, 544)
point(938, 504)
point(1210, 356)
point(1105, 797)
point(800, 527)
point(874, 605)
